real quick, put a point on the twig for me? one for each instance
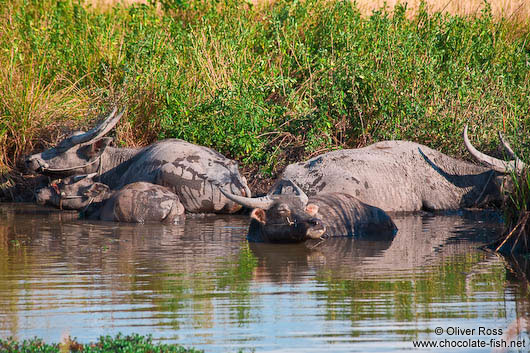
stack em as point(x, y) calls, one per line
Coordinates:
point(508, 236)
point(523, 221)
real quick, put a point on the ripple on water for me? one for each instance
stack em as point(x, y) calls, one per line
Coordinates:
point(199, 283)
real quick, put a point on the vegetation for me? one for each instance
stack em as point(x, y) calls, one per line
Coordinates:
point(516, 239)
point(265, 83)
point(105, 344)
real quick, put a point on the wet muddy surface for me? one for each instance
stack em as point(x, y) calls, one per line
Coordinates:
point(200, 283)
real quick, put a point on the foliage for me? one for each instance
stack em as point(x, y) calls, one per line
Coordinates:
point(257, 81)
point(516, 239)
point(105, 344)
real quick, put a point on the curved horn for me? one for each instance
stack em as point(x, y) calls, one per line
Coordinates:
point(300, 193)
point(264, 202)
point(96, 132)
point(507, 146)
point(277, 189)
point(248, 193)
point(495, 164)
point(518, 162)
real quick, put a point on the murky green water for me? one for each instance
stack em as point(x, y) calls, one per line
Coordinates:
point(201, 284)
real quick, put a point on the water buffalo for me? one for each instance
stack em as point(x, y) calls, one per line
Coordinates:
point(281, 217)
point(406, 176)
point(137, 202)
point(183, 167)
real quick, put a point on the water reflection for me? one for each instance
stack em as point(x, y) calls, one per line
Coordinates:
point(423, 240)
point(518, 288)
point(200, 283)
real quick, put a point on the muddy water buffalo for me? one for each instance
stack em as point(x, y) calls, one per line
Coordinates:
point(137, 202)
point(406, 176)
point(282, 217)
point(183, 167)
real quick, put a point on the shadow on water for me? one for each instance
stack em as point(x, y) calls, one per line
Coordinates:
point(200, 283)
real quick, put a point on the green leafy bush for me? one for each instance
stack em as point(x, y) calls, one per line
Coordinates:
point(106, 344)
point(254, 81)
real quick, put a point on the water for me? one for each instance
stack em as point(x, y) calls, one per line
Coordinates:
point(201, 284)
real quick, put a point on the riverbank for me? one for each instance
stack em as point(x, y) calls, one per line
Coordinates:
point(266, 84)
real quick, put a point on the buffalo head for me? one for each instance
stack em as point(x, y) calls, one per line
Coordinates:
point(282, 217)
point(79, 153)
point(73, 193)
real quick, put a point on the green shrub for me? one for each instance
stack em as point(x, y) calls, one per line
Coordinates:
point(106, 344)
point(253, 81)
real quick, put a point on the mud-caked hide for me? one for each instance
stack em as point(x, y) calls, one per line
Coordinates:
point(186, 169)
point(137, 202)
point(400, 176)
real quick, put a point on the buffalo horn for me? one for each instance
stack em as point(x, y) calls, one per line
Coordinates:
point(518, 162)
point(300, 193)
point(96, 132)
point(495, 164)
point(251, 202)
point(277, 189)
point(248, 193)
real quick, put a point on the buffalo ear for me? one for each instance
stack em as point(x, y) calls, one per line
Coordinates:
point(259, 215)
point(96, 148)
point(96, 190)
point(311, 209)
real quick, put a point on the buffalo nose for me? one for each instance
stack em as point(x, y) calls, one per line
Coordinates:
point(35, 164)
point(31, 164)
point(41, 195)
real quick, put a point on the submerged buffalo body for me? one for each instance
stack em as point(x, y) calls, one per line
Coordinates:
point(293, 217)
point(405, 176)
point(185, 168)
point(137, 202)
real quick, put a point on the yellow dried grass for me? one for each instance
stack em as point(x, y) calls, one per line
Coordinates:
point(514, 10)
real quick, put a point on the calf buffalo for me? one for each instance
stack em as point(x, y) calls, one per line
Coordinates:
point(137, 202)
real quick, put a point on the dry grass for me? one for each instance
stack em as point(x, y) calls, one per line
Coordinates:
point(514, 9)
point(518, 10)
point(30, 108)
point(109, 3)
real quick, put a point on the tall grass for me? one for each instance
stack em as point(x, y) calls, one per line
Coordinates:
point(516, 238)
point(267, 83)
